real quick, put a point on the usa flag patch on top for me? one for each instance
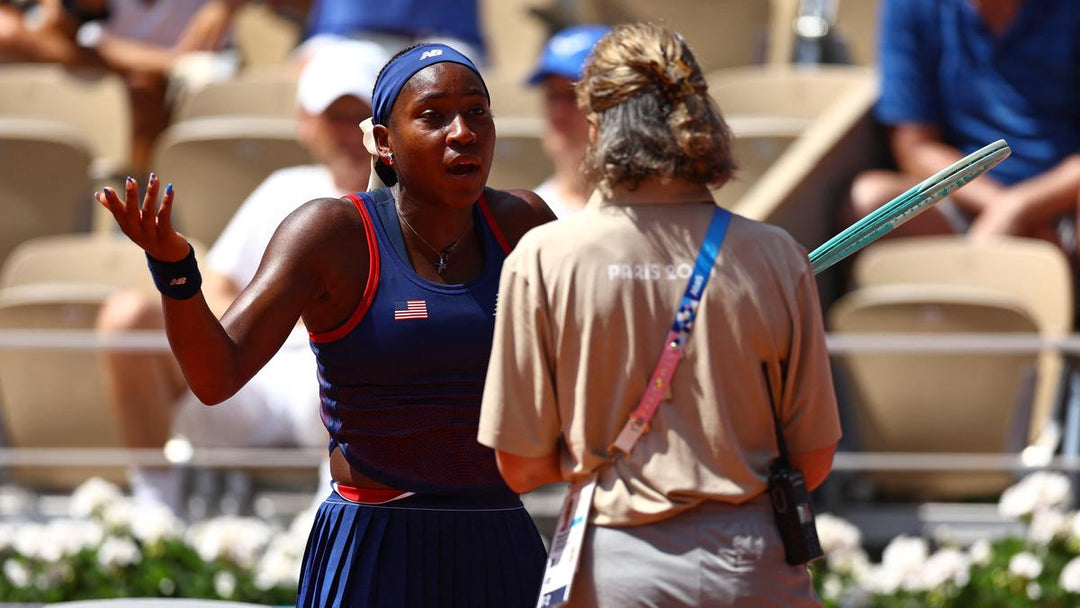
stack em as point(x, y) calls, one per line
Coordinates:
point(410, 309)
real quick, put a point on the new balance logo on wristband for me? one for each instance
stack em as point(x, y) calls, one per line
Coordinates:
point(177, 280)
point(430, 54)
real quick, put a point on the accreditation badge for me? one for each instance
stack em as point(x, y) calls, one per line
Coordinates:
point(566, 544)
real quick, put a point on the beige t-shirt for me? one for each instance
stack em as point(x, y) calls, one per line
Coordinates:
point(584, 307)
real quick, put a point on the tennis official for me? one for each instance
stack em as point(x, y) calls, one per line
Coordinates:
point(585, 305)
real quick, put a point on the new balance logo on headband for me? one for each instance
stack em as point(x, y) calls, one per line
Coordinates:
point(398, 72)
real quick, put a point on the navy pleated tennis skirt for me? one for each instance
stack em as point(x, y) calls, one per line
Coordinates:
point(420, 551)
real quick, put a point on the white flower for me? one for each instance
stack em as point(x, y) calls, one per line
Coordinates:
point(32, 541)
point(880, 580)
point(832, 588)
point(1049, 490)
point(16, 573)
point(1034, 591)
point(860, 567)
point(94, 494)
point(837, 534)
point(1070, 576)
point(945, 566)
point(1025, 565)
point(120, 515)
point(1045, 525)
point(848, 561)
point(156, 522)
point(901, 566)
point(303, 522)
point(118, 552)
point(907, 556)
point(280, 564)
point(981, 552)
point(7, 535)
point(237, 539)
point(69, 536)
point(224, 584)
point(1073, 526)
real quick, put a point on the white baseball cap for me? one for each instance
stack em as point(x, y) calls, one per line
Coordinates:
point(346, 67)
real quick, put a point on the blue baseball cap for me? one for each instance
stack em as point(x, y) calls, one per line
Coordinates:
point(566, 51)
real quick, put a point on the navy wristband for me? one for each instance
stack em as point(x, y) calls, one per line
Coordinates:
point(177, 280)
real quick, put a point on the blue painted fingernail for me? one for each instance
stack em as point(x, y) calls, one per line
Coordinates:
point(129, 179)
point(107, 189)
point(168, 189)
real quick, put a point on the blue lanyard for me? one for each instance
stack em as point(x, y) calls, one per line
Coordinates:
point(714, 238)
point(676, 339)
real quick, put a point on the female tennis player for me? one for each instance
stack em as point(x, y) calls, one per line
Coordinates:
point(397, 289)
point(584, 308)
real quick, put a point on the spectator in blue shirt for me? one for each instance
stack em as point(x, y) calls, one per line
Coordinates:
point(959, 74)
point(398, 24)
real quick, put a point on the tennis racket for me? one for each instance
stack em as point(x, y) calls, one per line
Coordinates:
point(896, 212)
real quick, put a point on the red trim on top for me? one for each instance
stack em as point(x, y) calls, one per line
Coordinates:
point(372, 280)
point(368, 495)
point(494, 225)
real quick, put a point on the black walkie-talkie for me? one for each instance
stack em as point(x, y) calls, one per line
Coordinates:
point(792, 510)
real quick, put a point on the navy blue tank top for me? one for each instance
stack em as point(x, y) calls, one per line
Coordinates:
point(401, 381)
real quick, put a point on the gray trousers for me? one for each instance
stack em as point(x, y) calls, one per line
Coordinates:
point(713, 555)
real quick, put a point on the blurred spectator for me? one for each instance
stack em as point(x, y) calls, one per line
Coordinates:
point(158, 47)
point(566, 135)
point(398, 24)
point(959, 74)
point(280, 405)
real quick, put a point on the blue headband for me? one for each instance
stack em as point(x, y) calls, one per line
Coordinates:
point(403, 67)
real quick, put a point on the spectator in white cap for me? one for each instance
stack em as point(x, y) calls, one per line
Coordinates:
point(280, 405)
point(566, 133)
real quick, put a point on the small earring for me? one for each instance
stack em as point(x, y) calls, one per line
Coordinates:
point(390, 157)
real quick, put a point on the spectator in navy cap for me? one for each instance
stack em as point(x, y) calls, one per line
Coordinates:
point(567, 132)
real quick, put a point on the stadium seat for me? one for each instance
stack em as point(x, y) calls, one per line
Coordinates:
point(266, 91)
point(44, 180)
point(722, 33)
point(101, 260)
point(513, 37)
point(93, 102)
point(57, 397)
point(1030, 270)
point(783, 90)
point(757, 145)
point(771, 109)
point(264, 35)
point(857, 28)
point(216, 162)
point(54, 398)
point(919, 402)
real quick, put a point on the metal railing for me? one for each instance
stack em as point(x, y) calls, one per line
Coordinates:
point(181, 453)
